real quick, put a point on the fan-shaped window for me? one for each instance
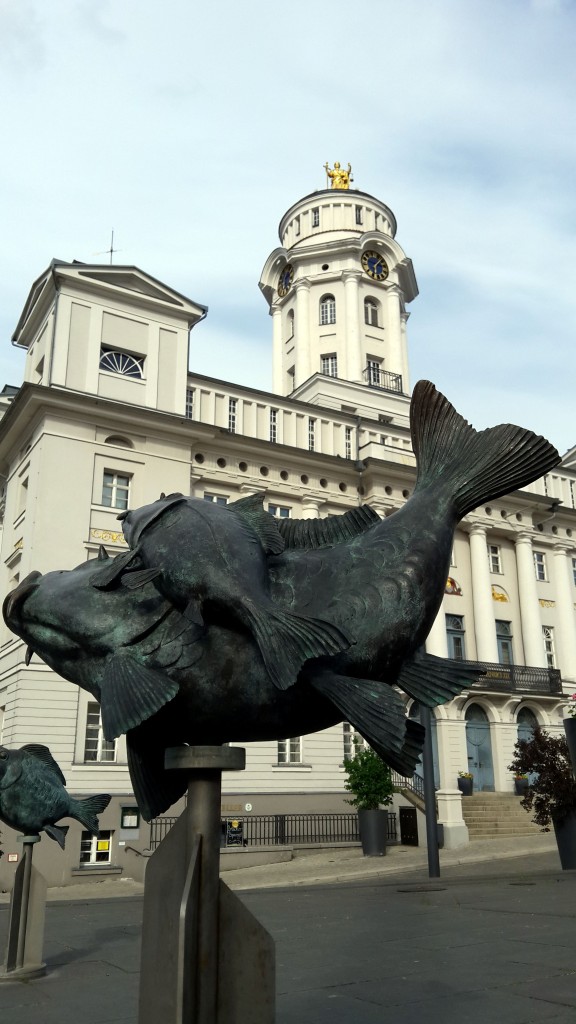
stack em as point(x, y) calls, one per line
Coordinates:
point(115, 361)
point(120, 442)
point(371, 312)
point(328, 310)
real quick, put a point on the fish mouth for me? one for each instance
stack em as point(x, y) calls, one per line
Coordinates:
point(14, 600)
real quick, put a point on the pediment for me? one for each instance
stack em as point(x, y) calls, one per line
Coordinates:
point(132, 281)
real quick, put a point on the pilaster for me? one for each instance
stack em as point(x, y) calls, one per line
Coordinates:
point(353, 349)
point(534, 653)
point(566, 640)
point(484, 627)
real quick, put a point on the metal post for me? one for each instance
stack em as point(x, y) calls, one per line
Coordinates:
point(26, 926)
point(430, 795)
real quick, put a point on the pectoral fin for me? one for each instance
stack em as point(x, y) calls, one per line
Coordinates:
point(378, 713)
point(113, 569)
point(432, 681)
point(155, 789)
point(286, 640)
point(135, 578)
point(131, 693)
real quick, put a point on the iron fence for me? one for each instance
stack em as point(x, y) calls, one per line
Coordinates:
point(281, 829)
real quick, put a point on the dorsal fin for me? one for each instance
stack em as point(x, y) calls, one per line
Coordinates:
point(318, 533)
point(39, 751)
point(251, 510)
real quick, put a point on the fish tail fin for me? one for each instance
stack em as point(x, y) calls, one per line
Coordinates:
point(58, 833)
point(379, 715)
point(478, 466)
point(87, 811)
point(287, 640)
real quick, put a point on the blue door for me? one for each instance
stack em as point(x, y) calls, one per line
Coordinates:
point(479, 748)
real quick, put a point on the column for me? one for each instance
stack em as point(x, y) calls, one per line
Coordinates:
point(311, 507)
point(564, 587)
point(534, 653)
point(351, 337)
point(484, 627)
point(394, 361)
point(437, 641)
point(278, 380)
point(302, 365)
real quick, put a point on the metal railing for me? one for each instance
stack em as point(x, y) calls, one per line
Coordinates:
point(281, 829)
point(383, 379)
point(515, 678)
point(415, 784)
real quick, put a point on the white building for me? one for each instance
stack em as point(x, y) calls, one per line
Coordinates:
point(109, 415)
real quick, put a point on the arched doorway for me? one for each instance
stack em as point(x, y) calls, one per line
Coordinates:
point(415, 713)
point(479, 748)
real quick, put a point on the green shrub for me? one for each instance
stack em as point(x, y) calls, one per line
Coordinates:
point(369, 779)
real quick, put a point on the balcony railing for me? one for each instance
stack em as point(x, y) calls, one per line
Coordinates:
point(383, 379)
point(516, 678)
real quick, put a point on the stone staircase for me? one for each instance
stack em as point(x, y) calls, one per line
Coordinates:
point(496, 816)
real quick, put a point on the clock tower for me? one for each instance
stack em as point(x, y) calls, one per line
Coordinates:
point(337, 289)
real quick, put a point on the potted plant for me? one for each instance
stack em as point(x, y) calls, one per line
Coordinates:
point(370, 782)
point(521, 785)
point(551, 795)
point(466, 783)
point(570, 729)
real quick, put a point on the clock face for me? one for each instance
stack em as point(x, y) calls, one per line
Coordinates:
point(285, 280)
point(375, 265)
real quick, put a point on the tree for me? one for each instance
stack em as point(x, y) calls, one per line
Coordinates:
point(369, 779)
point(552, 794)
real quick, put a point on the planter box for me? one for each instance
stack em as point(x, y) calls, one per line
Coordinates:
point(373, 827)
point(570, 730)
point(466, 786)
point(565, 832)
point(521, 787)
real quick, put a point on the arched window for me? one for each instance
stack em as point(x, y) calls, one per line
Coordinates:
point(327, 310)
point(290, 323)
point(371, 313)
point(115, 361)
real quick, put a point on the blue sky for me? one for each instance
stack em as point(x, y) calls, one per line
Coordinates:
point(190, 129)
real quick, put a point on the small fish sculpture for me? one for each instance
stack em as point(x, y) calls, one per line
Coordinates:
point(121, 628)
point(33, 797)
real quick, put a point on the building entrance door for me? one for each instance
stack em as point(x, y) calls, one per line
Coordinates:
point(479, 748)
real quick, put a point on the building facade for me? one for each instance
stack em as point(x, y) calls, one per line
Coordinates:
point(109, 415)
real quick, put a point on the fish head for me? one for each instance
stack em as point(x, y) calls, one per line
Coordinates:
point(10, 767)
point(135, 521)
point(74, 627)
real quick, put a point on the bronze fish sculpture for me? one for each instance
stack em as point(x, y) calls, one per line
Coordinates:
point(33, 795)
point(379, 582)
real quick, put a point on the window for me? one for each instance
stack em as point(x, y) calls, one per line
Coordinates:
point(373, 372)
point(358, 214)
point(494, 558)
point(279, 511)
point(574, 569)
point(327, 310)
point(273, 425)
point(115, 489)
point(548, 637)
point(316, 217)
point(290, 323)
point(115, 361)
point(218, 499)
point(329, 365)
point(455, 636)
point(352, 740)
point(96, 748)
point(540, 566)
point(96, 849)
point(504, 641)
point(290, 751)
point(297, 226)
point(232, 404)
point(371, 312)
point(311, 433)
point(189, 403)
point(347, 442)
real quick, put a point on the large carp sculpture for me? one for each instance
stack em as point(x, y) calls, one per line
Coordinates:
point(222, 624)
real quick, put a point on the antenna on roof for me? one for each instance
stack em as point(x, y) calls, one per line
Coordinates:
point(111, 250)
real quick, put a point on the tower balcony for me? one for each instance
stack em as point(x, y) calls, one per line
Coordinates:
point(525, 679)
point(383, 380)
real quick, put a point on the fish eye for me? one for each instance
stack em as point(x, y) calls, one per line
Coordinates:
point(3, 755)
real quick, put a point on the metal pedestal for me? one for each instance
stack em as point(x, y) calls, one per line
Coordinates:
point(205, 958)
point(27, 912)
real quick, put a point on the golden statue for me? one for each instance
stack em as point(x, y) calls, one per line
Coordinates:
point(339, 177)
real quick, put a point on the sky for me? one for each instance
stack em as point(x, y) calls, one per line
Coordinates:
point(189, 129)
